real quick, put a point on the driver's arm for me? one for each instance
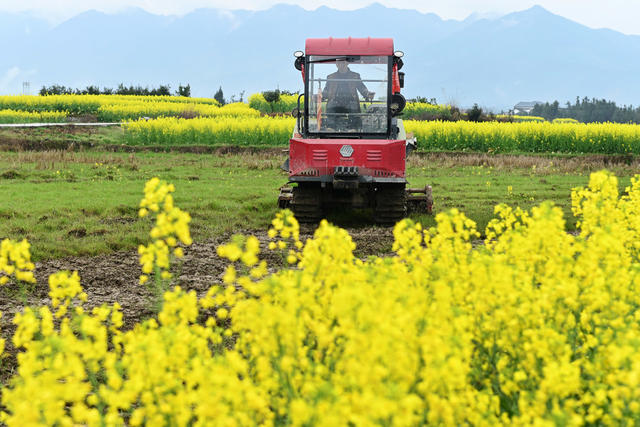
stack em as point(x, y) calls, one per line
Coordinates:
point(362, 88)
point(325, 91)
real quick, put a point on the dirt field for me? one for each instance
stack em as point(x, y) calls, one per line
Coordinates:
point(114, 278)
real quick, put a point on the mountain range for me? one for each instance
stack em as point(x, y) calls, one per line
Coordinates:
point(495, 62)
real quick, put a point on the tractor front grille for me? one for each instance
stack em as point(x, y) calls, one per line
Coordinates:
point(310, 172)
point(345, 171)
point(374, 155)
point(320, 155)
point(382, 174)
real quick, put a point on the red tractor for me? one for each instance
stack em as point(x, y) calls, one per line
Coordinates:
point(349, 147)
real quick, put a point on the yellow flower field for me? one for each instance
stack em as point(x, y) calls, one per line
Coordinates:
point(533, 327)
point(224, 130)
point(422, 110)
point(529, 137)
point(87, 104)
point(186, 121)
point(18, 116)
point(517, 118)
point(133, 110)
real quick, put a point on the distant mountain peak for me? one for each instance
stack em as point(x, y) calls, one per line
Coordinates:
point(489, 60)
point(538, 8)
point(536, 11)
point(286, 6)
point(477, 16)
point(375, 5)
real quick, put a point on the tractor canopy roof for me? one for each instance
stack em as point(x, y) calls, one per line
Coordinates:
point(349, 46)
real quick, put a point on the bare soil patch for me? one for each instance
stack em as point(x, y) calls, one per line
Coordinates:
point(114, 277)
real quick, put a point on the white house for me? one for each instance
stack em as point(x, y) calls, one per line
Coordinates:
point(525, 107)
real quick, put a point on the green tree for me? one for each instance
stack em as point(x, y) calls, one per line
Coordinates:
point(475, 114)
point(184, 91)
point(271, 96)
point(219, 96)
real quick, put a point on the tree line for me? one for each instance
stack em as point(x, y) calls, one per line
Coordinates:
point(587, 110)
point(162, 90)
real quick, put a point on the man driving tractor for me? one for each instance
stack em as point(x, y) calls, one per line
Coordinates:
point(341, 93)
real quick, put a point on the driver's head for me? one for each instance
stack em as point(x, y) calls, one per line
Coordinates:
point(342, 65)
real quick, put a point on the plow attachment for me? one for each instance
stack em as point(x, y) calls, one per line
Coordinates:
point(420, 200)
point(285, 197)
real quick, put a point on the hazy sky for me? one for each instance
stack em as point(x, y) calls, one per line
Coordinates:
point(621, 15)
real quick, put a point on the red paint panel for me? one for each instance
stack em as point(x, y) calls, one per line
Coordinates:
point(374, 157)
point(349, 46)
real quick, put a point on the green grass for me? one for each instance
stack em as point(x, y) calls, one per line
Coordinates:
point(85, 203)
point(59, 137)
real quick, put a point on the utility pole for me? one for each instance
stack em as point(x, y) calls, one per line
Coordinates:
point(26, 88)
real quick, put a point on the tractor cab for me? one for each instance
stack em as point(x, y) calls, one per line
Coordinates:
point(352, 88)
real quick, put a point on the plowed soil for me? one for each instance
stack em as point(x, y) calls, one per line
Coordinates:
point(114, 278)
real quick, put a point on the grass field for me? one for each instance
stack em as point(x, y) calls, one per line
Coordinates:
point(85, 203)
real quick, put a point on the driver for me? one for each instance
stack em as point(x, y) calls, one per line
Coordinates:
point(341, 91)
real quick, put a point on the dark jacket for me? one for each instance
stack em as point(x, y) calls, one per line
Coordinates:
point(341, 94)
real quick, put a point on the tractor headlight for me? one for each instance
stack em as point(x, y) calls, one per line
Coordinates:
point(398, 54)
point(299, 63)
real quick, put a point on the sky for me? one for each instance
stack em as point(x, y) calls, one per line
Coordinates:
point(620, 15)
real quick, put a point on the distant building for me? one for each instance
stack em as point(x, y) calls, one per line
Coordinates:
point(525, 107)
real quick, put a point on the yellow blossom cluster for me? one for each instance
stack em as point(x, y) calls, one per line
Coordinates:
point(171, 227)
point(63, 288)
point(536, 326)
point(66, 364)
point(245, 250)
point(285, 233)
point(15, 261)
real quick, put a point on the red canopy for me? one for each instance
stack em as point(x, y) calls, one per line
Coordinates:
point(350, 46)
